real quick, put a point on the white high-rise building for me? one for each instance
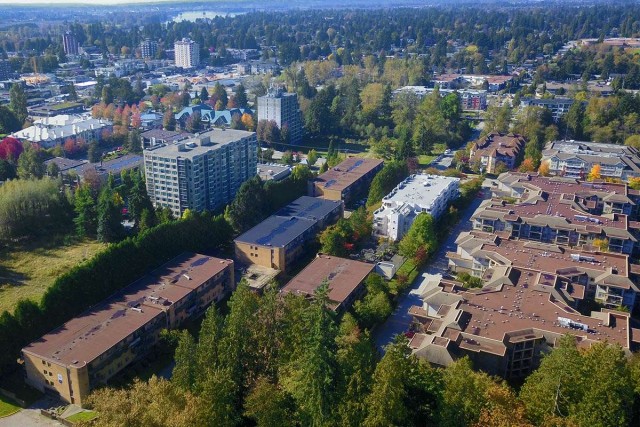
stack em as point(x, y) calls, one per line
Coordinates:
point(283, 108)
point(202, 173)
point(187, 53)
point(416, 194)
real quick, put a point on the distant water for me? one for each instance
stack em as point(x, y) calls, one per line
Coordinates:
point(194, 15)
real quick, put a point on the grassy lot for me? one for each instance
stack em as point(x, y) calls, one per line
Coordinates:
point(7, 407)
point(28, 268)
point(82, 416)
point(424, 160)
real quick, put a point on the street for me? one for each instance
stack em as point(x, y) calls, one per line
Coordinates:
point(400, 319)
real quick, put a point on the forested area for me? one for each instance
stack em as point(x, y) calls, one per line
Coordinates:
point(287, 362)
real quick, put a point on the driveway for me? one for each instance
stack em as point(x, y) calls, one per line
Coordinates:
point(400, 319)
point(31, 416)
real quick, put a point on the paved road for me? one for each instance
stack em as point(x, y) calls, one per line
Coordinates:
point(31, 416)
point(400, 319)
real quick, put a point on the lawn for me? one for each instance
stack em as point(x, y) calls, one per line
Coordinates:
point(82, 416)
point(28, 268)
point(7, 407)
point(424, 160)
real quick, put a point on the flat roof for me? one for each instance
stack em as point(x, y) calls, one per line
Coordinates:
point(65, 164)
point(200, 144)
point(90, 334)
point(346, 173)
point(343, 276)
point(289, 222)
point(417, 190)
point(114, 166)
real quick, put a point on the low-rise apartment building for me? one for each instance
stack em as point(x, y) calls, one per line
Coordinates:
point(346, 180)
point(280, 240)
point(558, 106)
point(561, 211)
point(497, 148)
point(345, 278)
point(607, 278)
point(575, 159)
point(201, 173)
point(417, 194)
point(51, 131)
point(469, 99)
point(88, 350)
point(506, 326)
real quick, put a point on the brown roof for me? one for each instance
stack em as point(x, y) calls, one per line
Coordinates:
point(87, 336)
point(346, 173)
point(343, 276)
point(497, 143)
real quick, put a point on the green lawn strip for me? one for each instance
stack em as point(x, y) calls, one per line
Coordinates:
point(82, 416)
point(7, 407)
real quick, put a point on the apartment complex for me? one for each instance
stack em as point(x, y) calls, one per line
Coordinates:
point(469, 99)
point(345, 278)
point(187, 53)
point(416, 194)
point(90, 349)
point(497, 148)
point(558, 106)
point(283, 108)
point(575, 159)
point(148, 49)
point(507, 325)
point(346, 180)
point(200, 173)
point(562, 211)
point(5, 69)
point(278, 241)
point(70, 44)
point(51, 131)
point(607, 278)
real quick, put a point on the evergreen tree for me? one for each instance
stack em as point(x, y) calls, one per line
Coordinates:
point(85, 209)
point(30, 164)
point(18, 102)
point(204, 94)
point(109, 216)
point(134, 141)
point(184, 371)
point(241, 96)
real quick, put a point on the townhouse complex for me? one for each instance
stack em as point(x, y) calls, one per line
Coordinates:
point(200, 173)
point(88, 350)
point(495, 149)
point(553, 256)
point(51, 131)
point(416, 194)
point(575, 159)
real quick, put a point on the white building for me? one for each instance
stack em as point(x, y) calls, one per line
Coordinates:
point(187, 53)
point(200, 173)
point(52, 131)
point(416, 194)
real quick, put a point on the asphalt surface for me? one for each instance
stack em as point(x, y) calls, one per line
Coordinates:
point(400, 319)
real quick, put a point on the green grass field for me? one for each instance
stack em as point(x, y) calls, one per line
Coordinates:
point(27, 269)
point(424, 160)
point(82, 416)
point(7, 407)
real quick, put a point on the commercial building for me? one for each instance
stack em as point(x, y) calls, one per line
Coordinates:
point(507, 325)
point(604, 277)
point(187, 53)
point(562, 211)
point(278, 241)
point(70, 44)
point(417, 194)
point(346, 180)
point(575, 159)
point(497, 148)
point(51, 131)
point(345, 278)
point(88, 350)
point(202, 173)
point(148, 49)
point(282, 107)
point(558, 106)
